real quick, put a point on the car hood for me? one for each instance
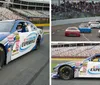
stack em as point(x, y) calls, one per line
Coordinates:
point(3, 35)
point(95, 25)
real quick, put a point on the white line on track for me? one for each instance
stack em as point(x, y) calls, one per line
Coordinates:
point(85, 37)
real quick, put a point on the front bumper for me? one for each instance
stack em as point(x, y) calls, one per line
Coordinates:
point(54, 75)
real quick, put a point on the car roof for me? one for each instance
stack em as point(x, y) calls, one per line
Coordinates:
point(83, 25)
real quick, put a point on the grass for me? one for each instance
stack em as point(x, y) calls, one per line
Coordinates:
point(52, 66)
point(46, 32)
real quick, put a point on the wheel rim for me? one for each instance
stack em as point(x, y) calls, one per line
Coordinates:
point(65, 72)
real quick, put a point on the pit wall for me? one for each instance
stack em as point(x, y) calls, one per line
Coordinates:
point(75, 20)
point(69, 58)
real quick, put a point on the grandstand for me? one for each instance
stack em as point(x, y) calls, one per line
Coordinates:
point(33, 10)
point(75, 50)
point(67, 9)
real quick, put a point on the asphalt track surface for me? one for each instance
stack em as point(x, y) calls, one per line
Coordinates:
point(30, 69)
point(78, 81)
point(58, 34)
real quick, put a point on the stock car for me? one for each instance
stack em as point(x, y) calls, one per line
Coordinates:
point(94, 24)
point(84, 28)
point(18, 37)
point(88, 68)
point(72, 31)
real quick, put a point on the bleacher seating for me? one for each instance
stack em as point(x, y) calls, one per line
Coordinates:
point(32, 13)
point(75, 51)
point(8, 14)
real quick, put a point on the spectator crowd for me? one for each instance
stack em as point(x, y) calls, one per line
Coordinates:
point(75, 10)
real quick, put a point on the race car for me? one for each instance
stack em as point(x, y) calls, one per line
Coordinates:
point(72, 31)
point(18, 37)
point(84, 28)
point(99, 33)
point(89, 68)
point(94, 24)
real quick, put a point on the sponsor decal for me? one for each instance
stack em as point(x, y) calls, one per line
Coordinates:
point(77, 63)
point(28, 41)
point(94, 69)
point(11, 38)
point(14, 52)
point(17, 42)
point(83, 69)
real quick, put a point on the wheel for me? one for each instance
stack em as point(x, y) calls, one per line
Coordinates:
point(2, 56)
point(66, 72)
point(38, 43)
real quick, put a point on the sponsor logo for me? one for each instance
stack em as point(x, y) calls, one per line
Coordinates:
point(28, 41)
point(11, 38)
point(94, 69)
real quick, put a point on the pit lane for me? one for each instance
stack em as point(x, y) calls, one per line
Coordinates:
point(29, 69)
point(58, 34)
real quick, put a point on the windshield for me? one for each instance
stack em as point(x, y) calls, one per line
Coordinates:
point(84, 25)
point(88, 59)
point(6, 26)
point(72, 29)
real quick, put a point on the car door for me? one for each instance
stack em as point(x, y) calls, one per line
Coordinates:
point(25, 40)
point(91, 68)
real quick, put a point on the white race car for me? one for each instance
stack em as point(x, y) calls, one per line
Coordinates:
point(94, 24)
point(18, 37)
point(89, 68)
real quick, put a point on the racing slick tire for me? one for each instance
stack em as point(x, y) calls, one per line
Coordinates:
point(66, 72)
point(38, 43)
point(2, 56)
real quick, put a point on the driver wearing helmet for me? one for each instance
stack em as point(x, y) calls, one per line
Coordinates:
point(19, 28)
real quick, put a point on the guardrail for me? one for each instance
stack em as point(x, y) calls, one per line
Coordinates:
point(75, 20)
